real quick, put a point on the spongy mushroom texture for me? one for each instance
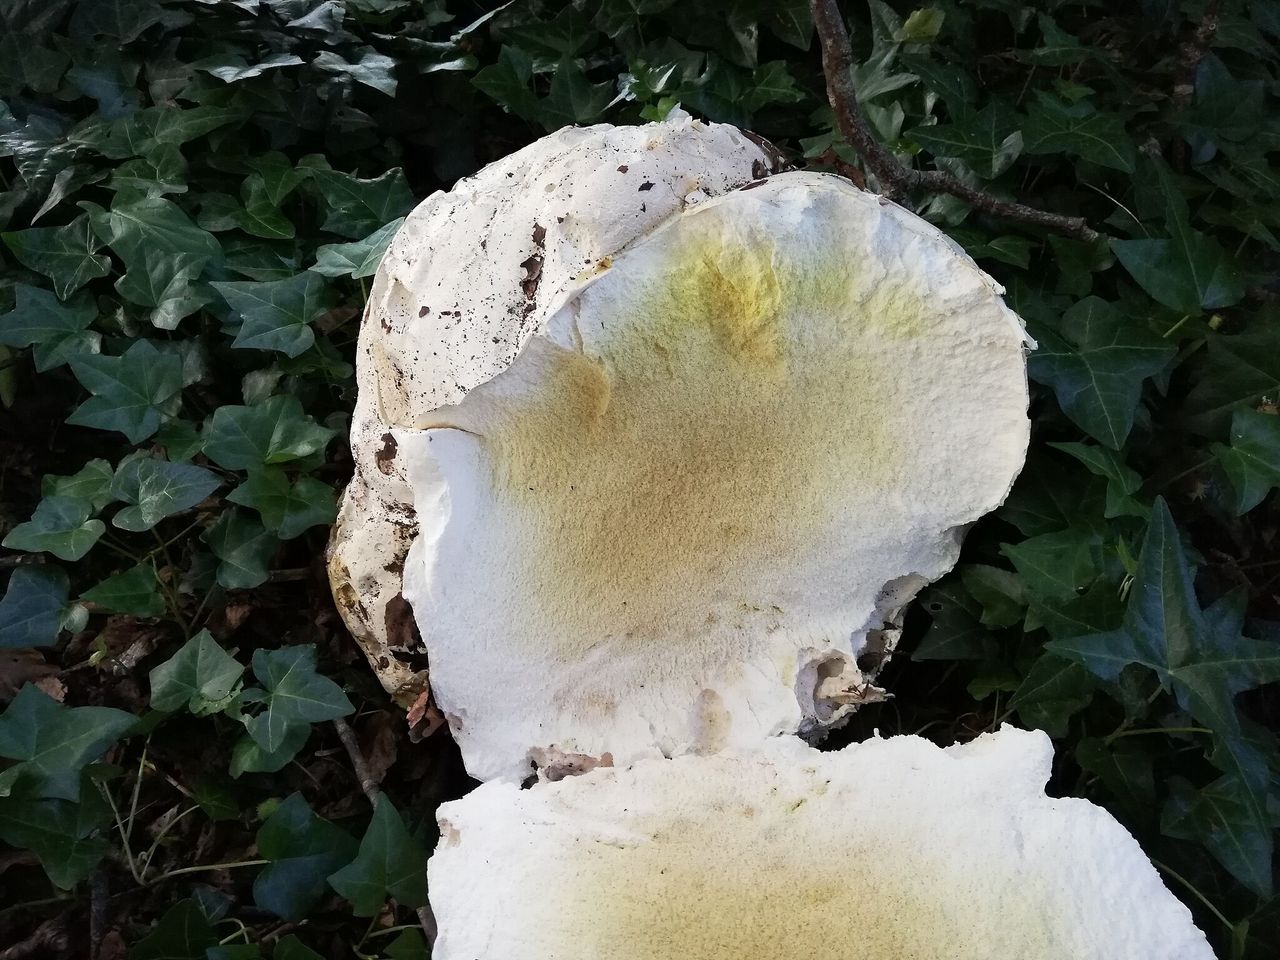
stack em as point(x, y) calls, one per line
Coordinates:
point(886, 850)
point(677, 519)
point(471, 275)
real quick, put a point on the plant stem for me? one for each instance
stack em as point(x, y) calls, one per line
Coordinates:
point(205, 868)
point(1198, 895)
point(1146, 730)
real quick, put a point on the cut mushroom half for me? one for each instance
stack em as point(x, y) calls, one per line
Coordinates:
point(885, 850)
point(469, 278)
point(707, 484)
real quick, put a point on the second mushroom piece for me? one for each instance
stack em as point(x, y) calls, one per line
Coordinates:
point(708, 482)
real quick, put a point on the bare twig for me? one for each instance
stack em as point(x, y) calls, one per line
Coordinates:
point(361, 766)
point(896, 179)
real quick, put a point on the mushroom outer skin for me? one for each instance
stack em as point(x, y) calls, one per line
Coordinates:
point(700, 493)
point(470, 276)
point(885, 850)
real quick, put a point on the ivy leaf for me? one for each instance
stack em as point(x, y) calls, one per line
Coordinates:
point(183, 933)
point(507, 82)
point(1058, 48)
point(66, 255)
point(1053, 126)
point(248, 757)
point(132, 394)
point(229, 67)
point(91, 483)
point(134, 591)
point(201, 677)
point(276, 313)
point(293, 694)
point(273, 178)
point(303, 849)
point(957, 632)
point(1165, 630)
point(244, 547)
point(66, 840)
point(355, 208)
point(162, 250)
point(163, 170)
point(286, 510)
point(1240, 369)
point(1122, 481)
point(988, 141)
point(390, 861)
point(1126, 770)
point(357, 259)
point(1052, 692)
point(273, 431)
point(574, 98)
point(1097, 366)
point(31, 611)
point(61, 526)
point(1252, 462)
point(53, 743)
point(158, 489)
point(1050, 496)
point(58, 331)
point(1190, 271)
point(1056, 565)
point(369, 67)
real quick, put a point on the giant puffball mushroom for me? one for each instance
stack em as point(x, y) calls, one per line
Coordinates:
point(672, 456)
point(699, 492)
point(885, 850)
point(471, 275)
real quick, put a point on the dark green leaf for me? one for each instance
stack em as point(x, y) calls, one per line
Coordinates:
point(1056, 127)
point(355, 208)
point(357, 259)
point(988, 141)
point(58, 331)
point(244, 547)
point(1241, 369)
point(390, 861)
point(293, 694)
point(91, 483)
point(286, 509)
point(1097, 366)
point(52, 743)
point(1122, 481)
point(158, 489)
point(369, 67)
point(135, 591)
point(1165, 630)
point(248, 757)
point(303, 849)
point(66, 255)
point(1056, 565)
point(183, 933)
point(133, 393)
point(1252, 462)
point(276, 313)
point(1052, 692)
point(201, 677)
point(273, 431)
point(61, 526)
point(31, 611)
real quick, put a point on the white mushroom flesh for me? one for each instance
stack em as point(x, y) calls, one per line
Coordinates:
point(674, 521)
point(471, 275)
point(886, 850)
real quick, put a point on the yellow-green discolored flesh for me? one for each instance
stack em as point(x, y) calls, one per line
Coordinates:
point(723, 447)
point(887, 850)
